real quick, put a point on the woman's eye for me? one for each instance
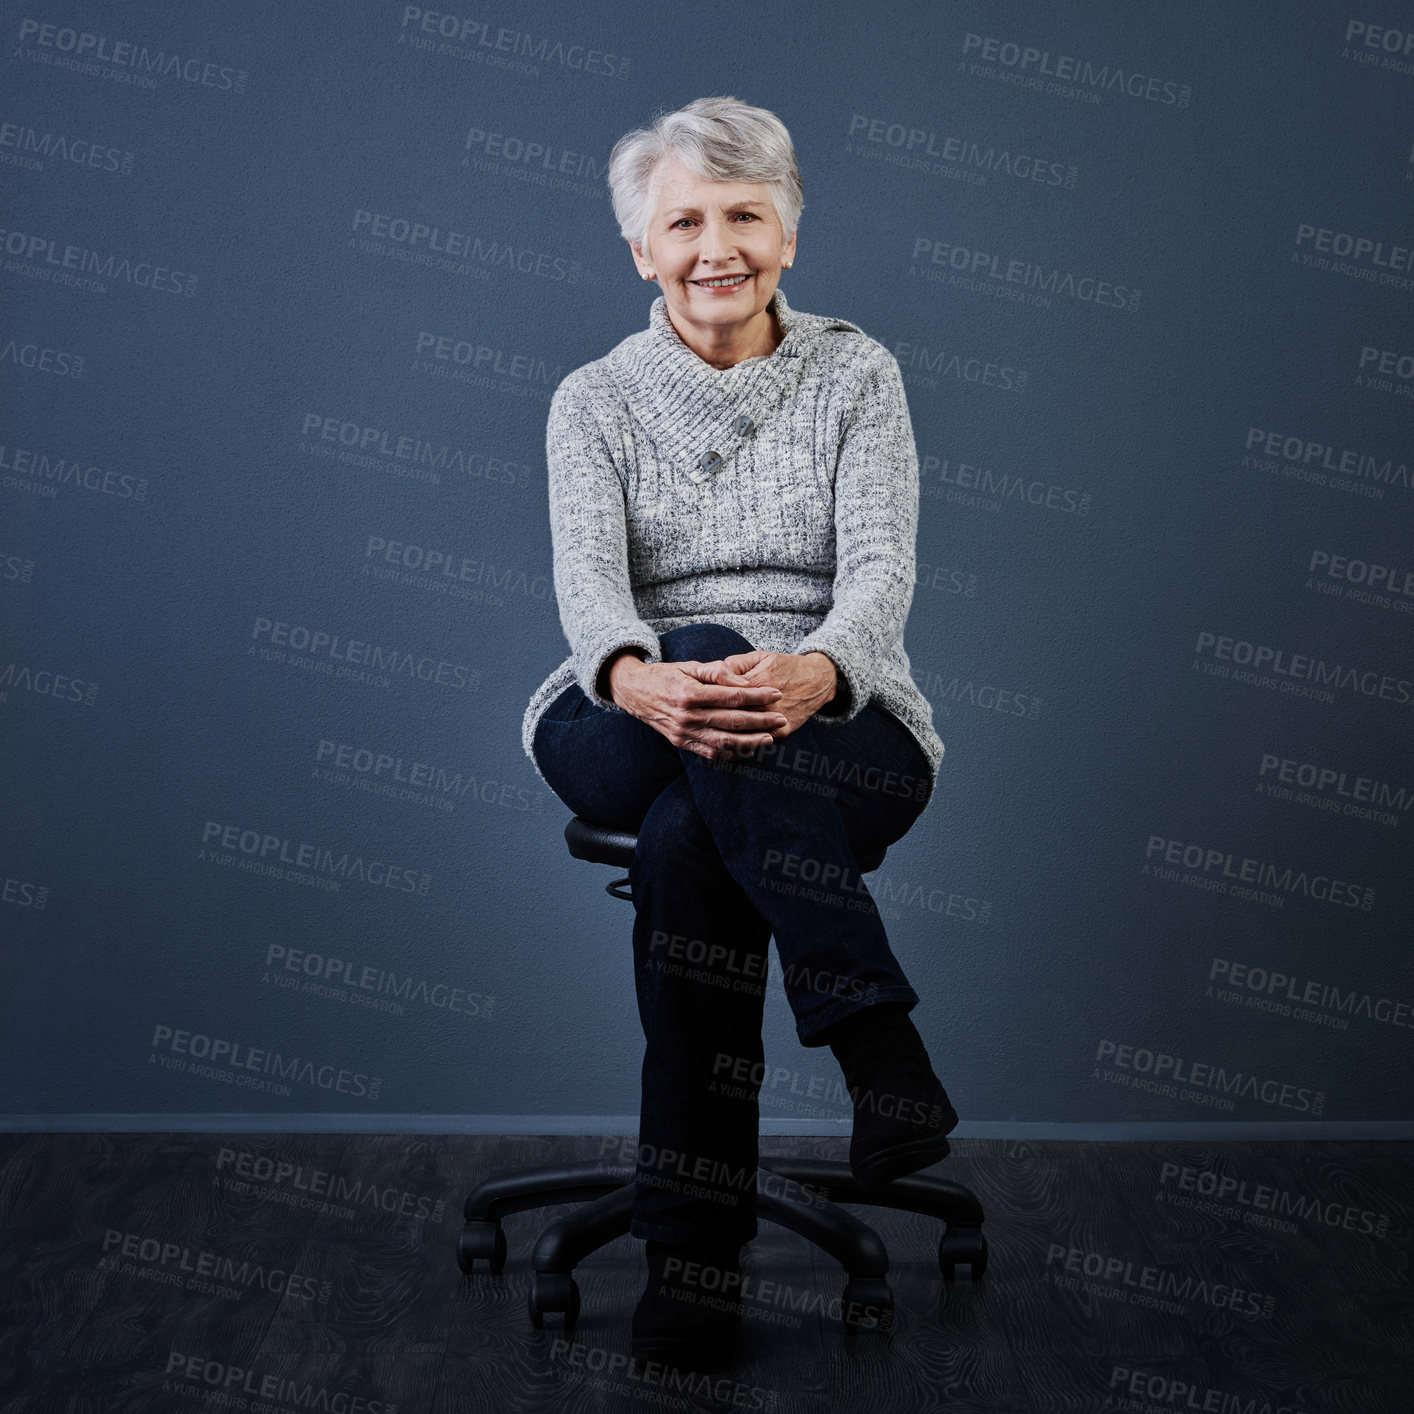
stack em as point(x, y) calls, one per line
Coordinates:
point(750, 216)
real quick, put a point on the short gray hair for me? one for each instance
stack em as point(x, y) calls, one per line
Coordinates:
point(721, 139)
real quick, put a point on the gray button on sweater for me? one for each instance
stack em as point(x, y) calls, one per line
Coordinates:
point(799, 532)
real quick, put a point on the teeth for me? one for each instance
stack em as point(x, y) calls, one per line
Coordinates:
point(725, 280)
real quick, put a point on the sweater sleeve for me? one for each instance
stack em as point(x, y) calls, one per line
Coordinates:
point(589, 534)
point(876, 526)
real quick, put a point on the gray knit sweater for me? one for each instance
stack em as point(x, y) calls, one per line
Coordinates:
point(778, 497)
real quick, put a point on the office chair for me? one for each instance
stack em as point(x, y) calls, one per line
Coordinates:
point(606, 1191)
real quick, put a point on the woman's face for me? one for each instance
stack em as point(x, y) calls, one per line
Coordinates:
point(700, 230)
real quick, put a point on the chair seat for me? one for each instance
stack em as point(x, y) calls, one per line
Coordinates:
point(599, 844)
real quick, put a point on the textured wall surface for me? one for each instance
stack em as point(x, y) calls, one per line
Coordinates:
point(286, 291)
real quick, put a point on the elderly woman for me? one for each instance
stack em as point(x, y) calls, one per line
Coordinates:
point(733, 507)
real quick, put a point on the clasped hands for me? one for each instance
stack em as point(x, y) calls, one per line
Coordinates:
point(720, 709)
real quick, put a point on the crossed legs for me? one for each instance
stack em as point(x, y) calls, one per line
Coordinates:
point(725, 852)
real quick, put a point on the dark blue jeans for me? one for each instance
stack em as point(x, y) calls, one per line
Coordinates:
point(731, 852)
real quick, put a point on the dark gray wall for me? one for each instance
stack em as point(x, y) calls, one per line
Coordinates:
point(1149, 276)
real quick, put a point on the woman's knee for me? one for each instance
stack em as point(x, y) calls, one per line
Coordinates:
point(605, 766)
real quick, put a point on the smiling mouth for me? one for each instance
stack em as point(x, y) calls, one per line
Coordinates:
point(721, 281)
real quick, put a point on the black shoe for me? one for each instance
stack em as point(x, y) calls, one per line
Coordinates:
point(690, 1312)
point(901, 1111)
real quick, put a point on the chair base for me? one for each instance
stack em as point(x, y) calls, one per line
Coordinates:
point(800, 1194)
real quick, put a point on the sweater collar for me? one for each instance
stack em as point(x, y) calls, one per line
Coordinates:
point(699, 416)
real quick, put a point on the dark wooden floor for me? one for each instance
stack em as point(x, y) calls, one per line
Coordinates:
point(158, 1272)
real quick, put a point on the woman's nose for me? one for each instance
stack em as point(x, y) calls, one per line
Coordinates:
point(717, 241)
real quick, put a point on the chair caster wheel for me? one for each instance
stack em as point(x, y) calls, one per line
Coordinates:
point(483, 1240)
point(868, 1304)
point(553, 1291)
point(962, 1247)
